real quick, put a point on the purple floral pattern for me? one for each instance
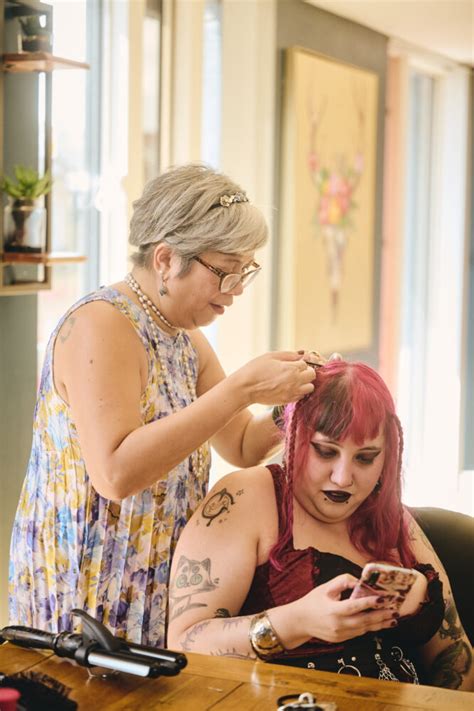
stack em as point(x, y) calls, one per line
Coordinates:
point(73, 548)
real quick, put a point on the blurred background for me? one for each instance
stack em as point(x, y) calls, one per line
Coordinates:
point(173, 81)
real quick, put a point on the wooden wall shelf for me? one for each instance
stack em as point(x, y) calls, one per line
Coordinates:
point(28, 272)
point(38, 62)
point(48, 259)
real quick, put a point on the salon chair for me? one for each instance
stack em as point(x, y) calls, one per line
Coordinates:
point(452, 536)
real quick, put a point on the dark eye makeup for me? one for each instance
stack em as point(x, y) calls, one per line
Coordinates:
point(326, 452)
point(368, 458)
point(323, 451)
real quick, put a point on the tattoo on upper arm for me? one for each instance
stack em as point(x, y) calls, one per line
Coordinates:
point(66, 329)
point(451, 664)
point(218, 505)
point(451, 625)
point(192, 577)
point(425, 540)
point(416, 533)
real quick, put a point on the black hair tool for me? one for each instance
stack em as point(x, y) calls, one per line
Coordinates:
point(96, 646)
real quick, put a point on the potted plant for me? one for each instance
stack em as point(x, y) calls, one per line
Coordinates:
point(25, 215)
point(34, 36)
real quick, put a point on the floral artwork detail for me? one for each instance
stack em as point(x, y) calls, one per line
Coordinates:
point(335, 179)
point(330, 209)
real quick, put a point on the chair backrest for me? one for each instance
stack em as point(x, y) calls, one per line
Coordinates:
point(452, 536)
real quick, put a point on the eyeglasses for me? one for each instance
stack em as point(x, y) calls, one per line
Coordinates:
point(229, 280)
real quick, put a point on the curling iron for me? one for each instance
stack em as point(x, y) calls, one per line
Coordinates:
point(97, 646)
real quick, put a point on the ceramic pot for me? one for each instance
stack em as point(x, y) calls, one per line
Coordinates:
point(36, 43)
point(24, 226)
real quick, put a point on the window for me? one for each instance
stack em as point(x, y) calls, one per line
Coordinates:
point(430, 372)
point(151, 88)
point(75, 161)
point(211, 101)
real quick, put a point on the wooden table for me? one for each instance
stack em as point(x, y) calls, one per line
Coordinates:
point(230, 685)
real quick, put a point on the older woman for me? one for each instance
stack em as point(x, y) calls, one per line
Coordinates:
point(275, 584)
point(130, 397)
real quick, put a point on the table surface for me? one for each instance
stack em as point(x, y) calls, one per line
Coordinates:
point(229, 684)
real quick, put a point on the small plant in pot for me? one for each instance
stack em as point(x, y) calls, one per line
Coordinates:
point(34, 36)
point(25, 215)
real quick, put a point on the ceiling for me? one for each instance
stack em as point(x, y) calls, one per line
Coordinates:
point(445, 27)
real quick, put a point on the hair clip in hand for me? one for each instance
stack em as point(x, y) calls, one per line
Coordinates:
point(314, 358)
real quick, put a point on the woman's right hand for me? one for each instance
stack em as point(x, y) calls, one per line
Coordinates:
point(276, 378)
point(322, 614)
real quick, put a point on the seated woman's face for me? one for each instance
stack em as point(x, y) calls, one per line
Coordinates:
point(338, 476)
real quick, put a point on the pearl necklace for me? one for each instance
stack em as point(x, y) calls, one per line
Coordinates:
point(196, 458)
point(146, 302)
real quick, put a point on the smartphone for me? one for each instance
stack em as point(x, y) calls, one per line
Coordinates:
point(387, 580)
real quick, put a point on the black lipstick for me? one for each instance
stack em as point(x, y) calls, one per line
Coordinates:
point(337, 497)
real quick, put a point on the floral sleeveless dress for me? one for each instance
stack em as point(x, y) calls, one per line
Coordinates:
point(73, 548)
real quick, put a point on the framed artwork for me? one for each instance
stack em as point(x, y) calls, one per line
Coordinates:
point(326, 269)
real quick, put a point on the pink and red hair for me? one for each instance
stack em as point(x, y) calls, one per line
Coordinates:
point(351, 400)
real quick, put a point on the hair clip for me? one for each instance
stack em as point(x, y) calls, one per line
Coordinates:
point(314, 365)
point(314, 358)
point(228, 200)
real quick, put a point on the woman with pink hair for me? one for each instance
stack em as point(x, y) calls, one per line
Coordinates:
point(266, 566)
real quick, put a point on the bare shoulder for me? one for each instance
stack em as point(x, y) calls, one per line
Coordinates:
point(97, 336)
point(256, 481)
point(99, 318)
point(422, 548)
point(243, 498)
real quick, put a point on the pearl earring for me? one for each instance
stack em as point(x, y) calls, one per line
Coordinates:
point(162, 290)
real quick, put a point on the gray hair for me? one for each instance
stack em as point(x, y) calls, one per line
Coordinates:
point(181, 208)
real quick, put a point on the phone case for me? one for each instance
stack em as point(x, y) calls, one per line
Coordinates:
point(387, 580)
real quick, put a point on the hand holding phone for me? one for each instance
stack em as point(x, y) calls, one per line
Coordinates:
point(388, 580)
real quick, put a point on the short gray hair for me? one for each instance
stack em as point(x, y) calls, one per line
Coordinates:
point(181, 208)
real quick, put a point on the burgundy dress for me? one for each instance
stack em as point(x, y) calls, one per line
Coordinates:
point(389, 654)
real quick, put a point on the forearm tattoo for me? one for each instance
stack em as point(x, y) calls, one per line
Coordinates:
point(193, 577)
point(234, 622)
point(189, 641)
point(218, 506)
point(450, 666)
point(227, 620)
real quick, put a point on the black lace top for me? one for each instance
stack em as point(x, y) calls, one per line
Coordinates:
point(389, 654)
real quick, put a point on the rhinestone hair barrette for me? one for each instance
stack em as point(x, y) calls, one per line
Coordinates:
point(228, 200)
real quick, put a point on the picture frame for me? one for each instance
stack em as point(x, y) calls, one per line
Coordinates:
point(327, 294)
